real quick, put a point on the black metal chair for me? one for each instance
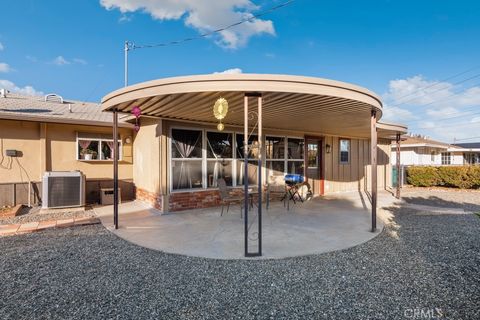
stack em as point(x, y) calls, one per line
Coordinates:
point(226, 198)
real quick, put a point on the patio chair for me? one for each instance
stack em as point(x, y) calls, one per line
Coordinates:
point(275, 188)
point(226, 198)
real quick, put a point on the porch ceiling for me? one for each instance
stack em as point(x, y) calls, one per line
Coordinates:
point(310, 105)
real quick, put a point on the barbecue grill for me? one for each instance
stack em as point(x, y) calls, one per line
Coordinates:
point(292, 179)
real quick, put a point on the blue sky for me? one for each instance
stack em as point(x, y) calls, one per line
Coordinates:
point(399, 49)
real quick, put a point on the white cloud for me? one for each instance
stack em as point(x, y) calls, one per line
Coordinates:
point(440, 109)
point(4, 67)
point(2, 47)
point(204, 16)
point(79, 61)
point(230, 71)
point(396, 114)
point(417, 90)
point(426, 125)
point(441, 113)
point(124, 18)
point(31, 58)
point(12, 87)
point(60, 61)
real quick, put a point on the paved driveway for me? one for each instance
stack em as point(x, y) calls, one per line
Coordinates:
point(425, 262)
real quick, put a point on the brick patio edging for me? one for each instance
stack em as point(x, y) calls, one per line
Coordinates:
point(29, 227)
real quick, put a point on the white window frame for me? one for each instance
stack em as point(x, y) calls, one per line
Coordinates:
point(340, 151)
point(285, 149)
point(234, 160)
point(99, 150)
point(287, 159)
point(445, 156)
point(202, 159)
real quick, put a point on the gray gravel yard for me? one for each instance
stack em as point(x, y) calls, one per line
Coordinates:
point(422, 263)
point(34, 214)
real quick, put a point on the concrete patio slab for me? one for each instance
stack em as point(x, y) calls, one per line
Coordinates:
point(321, 225)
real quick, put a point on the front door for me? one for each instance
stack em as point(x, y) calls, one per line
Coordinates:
point(313, 164)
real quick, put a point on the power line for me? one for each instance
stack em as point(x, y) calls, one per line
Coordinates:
point(449, 118)
point(454, 125)
point(471, 138)
point(132, 46)
point(455, 83)
point(437, 83)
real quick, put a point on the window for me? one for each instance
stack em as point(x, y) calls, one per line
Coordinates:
point(446, 158)
point(471, 158)
point(344, 151)
point(295, 151)
point(275, 154)
point(312, 155)
point(200, 157)
point(96, 147)
point(219, 158)
point(186, 159)
point(432, 156)
point(275, 147)
point(252, 164)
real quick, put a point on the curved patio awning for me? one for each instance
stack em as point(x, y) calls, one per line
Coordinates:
point(294, 103)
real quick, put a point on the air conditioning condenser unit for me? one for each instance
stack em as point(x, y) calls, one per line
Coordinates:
point(63, 189)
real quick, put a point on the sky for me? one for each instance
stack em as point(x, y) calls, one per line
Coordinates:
point(421, 57)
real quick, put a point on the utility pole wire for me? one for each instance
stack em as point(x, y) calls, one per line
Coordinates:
point(132, 46)
point(455, 83)
point(437, 83)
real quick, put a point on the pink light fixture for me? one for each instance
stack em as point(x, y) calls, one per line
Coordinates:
point(137, 112)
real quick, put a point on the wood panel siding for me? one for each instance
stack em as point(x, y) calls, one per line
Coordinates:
point(356, 174)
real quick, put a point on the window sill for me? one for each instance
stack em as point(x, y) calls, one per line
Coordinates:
point(99, 160)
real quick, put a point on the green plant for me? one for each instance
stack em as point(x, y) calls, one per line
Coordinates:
point(456, 177)
point(464, 177)
point(423, 176)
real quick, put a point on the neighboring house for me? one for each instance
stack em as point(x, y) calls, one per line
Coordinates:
point(471, 152)
point(51, 134)
point(422, 151)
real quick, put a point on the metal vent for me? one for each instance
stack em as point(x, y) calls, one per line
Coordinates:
point(63, 189)
point(53, 97)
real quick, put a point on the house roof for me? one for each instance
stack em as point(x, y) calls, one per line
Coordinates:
point(409, 141)
point(470, 145)
point(412, 142)
point(35, 108)
point(295, 103)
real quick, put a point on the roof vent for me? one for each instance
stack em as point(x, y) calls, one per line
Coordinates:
point(53, 97)
point(3, 93)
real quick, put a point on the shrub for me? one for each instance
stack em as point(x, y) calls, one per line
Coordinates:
point(464, 177)
point(474, 174)
point(456, 177)
point(423, 176)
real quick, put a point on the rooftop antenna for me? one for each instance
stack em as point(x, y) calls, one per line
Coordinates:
point(126, 48)
point(3, 93)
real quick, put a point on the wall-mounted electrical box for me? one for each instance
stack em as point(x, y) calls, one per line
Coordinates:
point(12, 153)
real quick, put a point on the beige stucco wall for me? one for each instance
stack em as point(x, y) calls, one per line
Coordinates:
point(52, 147)
point(146, 148)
